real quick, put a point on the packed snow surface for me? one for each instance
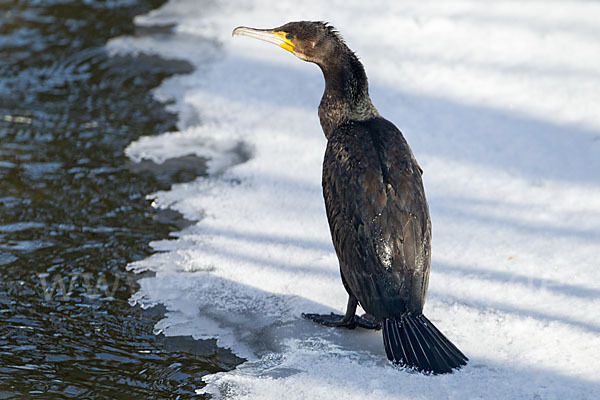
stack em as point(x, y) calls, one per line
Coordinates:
point(500, 104)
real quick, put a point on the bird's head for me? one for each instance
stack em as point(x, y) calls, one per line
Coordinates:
point(307, 40)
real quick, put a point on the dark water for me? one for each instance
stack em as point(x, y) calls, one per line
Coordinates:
point(73, 210)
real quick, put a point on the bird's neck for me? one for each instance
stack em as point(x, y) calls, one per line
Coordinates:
point(346, 97)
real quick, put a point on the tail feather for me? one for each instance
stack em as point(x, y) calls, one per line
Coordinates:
point(427, 356)
point(439, 354)
point(446, 345)
point(413, 341)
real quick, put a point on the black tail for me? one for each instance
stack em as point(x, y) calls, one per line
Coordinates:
point(413, 341)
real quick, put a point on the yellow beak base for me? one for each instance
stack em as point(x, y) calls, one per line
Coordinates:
point(276, 37)
point(287, 43)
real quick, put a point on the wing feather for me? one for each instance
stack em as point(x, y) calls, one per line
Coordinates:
point(378, 216)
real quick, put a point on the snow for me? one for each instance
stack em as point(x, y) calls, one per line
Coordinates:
point(499, 102)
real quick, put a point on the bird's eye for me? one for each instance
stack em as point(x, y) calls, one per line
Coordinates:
point(289, 36)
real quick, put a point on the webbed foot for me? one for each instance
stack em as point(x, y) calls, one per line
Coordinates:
point(336, 320)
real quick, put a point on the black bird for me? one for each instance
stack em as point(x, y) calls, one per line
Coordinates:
point(375, 202)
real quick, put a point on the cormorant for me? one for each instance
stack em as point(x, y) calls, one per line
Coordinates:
point(375, 202)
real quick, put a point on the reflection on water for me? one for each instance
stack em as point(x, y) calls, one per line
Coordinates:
point(73, 211)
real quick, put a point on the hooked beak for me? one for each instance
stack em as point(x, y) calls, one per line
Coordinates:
point(268, 35)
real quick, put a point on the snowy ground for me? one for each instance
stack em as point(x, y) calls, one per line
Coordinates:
point(500, 103)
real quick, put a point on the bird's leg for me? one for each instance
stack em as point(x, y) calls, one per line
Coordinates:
point(337, 320)
point(349, 320)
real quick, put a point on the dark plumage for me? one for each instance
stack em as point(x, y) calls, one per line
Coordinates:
point(375, 202)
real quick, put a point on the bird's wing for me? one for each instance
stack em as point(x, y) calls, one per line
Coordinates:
point(378, 216)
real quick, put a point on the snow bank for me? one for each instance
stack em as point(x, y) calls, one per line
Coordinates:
point(499, 103)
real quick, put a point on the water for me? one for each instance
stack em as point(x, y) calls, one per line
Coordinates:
point(73, 210)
